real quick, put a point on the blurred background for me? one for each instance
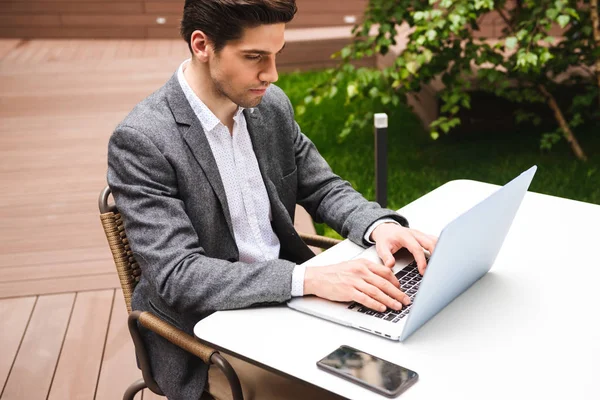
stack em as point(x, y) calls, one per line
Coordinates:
point(71, 70)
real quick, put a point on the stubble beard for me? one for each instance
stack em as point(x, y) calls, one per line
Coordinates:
point(225, 91)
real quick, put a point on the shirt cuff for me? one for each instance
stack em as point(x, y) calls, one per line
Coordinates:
point(298, 281)
point(375, 225)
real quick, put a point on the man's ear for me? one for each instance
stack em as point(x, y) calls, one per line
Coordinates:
point(201, 46)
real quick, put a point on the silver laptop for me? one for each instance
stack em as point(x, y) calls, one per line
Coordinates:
point(466, 250)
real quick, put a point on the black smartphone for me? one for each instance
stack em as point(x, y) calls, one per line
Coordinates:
point(372, 372)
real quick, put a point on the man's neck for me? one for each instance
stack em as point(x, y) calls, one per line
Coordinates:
point(197, 76)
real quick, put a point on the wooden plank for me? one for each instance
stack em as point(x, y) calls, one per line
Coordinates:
point(53, 49)
point(19, 20)
point(322, 19)
point(11, 53)
point(304, 7)
point(124, 48)
point(71, 1)
point(110, 50)
point(72, 32)
point(118, 20)
point(167, 7)
point(58, 205)
point(63, 7)
point(119, 368)
point(81, 356)
point(63, 285)
point(137, 48)
point(57, 270)
point(112, 101)
point(159, 32)
point(56, 256)
point(14, 317)
point(35, 363)
point(26, 51)
point(50, 235)
point(7, 46)
point(339, 7)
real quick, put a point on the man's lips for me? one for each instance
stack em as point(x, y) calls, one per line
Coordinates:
point(259, 90)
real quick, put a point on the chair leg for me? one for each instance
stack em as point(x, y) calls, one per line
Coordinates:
point(234, 381)
point(133, 389)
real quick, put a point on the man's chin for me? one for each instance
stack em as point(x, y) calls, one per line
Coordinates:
point(250, 103)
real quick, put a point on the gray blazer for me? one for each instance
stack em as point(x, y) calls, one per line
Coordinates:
point(166, 185)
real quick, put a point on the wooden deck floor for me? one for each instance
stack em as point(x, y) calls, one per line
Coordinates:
point(63, 333)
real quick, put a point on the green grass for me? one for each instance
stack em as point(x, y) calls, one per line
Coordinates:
point(417, 164)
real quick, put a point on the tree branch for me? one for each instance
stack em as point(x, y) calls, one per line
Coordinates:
point(564, 126)
point(596, 29)
point(505, 19)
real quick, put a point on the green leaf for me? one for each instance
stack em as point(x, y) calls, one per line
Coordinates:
point(346, 51)
point(431, 35)
point(419, 16)
point(563, 20)
point(435, 135)
point(300, 110)
point(545, 57)
point(511, 42)
point(552, 13)
point(345, 132)
point(522, 34)
point(532, 58)
point(411, 66)
point(351, 90)
point(333, 91)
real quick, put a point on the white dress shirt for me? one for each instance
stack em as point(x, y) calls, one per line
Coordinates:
point(247, 197)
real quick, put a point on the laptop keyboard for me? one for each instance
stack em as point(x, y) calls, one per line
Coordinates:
point(410, 280)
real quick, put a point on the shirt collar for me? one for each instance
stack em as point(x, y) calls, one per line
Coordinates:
point(208, 119)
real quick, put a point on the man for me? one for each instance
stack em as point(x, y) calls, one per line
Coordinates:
point(207, 172)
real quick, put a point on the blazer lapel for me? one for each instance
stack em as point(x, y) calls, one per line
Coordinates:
point(257, 128)
point(292, 247)
point(195, 138)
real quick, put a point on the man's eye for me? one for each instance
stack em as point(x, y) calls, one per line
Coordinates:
point(256, 57)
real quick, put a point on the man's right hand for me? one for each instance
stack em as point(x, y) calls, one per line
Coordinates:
point(363, 281)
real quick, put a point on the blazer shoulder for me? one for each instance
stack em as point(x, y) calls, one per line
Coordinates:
point(151, 117)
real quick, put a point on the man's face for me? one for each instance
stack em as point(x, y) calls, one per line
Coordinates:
point(244, 68)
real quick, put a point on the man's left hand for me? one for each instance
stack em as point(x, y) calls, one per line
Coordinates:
point(390, 237)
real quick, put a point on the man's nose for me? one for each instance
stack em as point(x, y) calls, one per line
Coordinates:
point(269, 74)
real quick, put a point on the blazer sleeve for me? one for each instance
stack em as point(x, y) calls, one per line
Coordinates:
point(330, 199)
point(165, 243)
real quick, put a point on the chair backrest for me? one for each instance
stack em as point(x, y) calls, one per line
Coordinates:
point(127, 268)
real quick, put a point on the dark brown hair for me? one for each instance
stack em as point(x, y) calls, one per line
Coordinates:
point(225, 20)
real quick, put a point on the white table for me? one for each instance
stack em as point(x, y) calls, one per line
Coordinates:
point(529, 329)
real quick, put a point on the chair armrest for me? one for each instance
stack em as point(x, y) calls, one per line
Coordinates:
point(176, 336)
point(181, 339)
point(318, 241)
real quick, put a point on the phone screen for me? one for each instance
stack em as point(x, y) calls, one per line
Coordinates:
point(368, 370)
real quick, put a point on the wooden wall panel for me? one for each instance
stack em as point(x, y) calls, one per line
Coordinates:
point(167, 7)
point(8, 21)
point(118, 20)
point(64, 7)
point(138, 19)
point(75, 33)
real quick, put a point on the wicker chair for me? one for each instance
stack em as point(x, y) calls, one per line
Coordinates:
point(129, 275)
